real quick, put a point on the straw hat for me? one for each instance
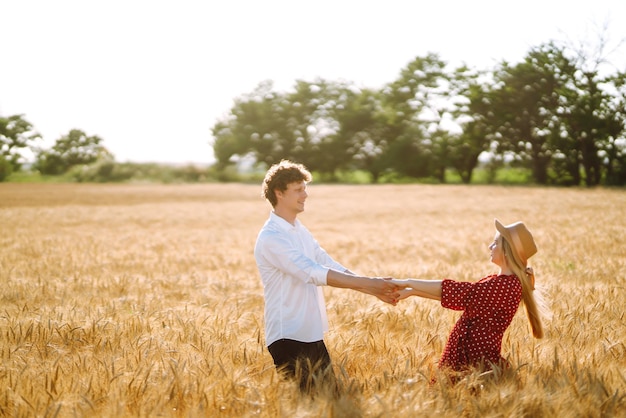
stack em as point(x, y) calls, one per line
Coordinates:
point(520, 239)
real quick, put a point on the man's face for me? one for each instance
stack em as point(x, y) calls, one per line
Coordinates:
point(293, 198)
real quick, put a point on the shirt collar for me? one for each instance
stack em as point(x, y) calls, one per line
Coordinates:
point(283, 224)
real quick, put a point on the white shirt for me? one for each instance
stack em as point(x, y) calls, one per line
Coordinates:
point(292, 267)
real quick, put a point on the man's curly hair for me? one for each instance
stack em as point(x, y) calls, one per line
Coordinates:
point(280, 175)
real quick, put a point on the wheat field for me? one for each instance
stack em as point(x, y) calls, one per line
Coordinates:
point(144, 300)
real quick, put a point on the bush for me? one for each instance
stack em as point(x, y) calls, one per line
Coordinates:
point(6, 168)
point(111, 171)
point(100, 172)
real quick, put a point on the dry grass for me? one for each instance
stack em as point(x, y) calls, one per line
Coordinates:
point(140, 300)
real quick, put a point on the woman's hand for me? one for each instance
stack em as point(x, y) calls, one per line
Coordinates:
point(405, 293)
point(401, 283)
point(430, 289)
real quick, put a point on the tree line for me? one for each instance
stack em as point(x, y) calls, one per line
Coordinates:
point(79, 157)
point(70, 150)
point(557, 113)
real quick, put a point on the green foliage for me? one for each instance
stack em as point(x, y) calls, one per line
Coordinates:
point(551, 115)
point(553, 118)
point(6, 168)
point(16, 133)
point(27, 176)
point(71, 150)
point(103, 171)
point(300, 125)
point(514, 175)
point(525, 105)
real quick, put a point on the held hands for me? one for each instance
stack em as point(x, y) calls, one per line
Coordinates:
point(429, 289)
point(395, 290)
point(390, 290)
point(387, 289)
point(383, 289)
point(404, 289)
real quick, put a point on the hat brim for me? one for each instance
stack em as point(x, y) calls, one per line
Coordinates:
point(504, 232)
point(501, 229)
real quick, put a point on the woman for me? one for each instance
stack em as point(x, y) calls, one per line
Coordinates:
point(489, 304)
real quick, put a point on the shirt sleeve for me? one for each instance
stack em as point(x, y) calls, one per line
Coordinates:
point(322, 257)
point(453, 294)
point(281, 254)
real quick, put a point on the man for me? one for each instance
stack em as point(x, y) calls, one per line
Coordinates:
point(293, 267)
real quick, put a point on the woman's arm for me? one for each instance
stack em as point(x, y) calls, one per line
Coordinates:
point(430, 289)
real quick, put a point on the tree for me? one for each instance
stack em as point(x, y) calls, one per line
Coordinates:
point(614, 151)
point(471, 113)
point(257, 124)
point(362, 132)
point(525, 106)
point(592, 114)
point(15, 133)
point(412, 109)
point(555, 113)
point(428, 107)
point(300, 125)
point(73, 149)
point(312, 122)
point(549, 113)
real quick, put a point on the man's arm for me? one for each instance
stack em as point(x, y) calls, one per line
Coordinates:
point(383, 289)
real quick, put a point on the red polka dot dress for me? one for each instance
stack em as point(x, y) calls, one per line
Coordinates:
point(489, 306)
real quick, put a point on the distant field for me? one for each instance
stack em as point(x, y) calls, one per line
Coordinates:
point(144, 300)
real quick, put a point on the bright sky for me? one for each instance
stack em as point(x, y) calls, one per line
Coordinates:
point(151, 77)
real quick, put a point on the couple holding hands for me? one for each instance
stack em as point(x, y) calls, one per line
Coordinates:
point(293, 267)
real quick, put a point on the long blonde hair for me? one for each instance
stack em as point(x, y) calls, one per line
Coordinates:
point(526, 276)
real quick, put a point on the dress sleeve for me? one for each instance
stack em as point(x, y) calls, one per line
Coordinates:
point(453, 294)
